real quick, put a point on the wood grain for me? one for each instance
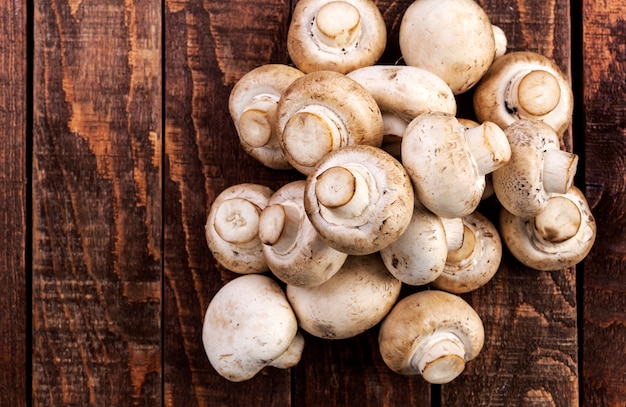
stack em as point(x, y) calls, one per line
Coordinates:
point(13, 206)
point(97, 203)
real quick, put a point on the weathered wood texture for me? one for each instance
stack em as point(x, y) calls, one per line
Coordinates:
point(604, 278)
point(96, 283)
point(13, 207)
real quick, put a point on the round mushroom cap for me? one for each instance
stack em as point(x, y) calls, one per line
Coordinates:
point(451, 38)
point(432, 333)
point(561, 236)
point(336, 36)
point(247, 325)
point(349, 303)
point(232, 231)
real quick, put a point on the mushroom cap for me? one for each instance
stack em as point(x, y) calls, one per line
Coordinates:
point(477, 261)
point(350, 302)
point(231, 228)
point(451, 38)
point(496, 98)
point(324, 111)
point(381, 201)
point(421, 325)
point(418, 257)
point(523, 186)
point(336, 36)
point(247, 325)
point(252, 105)
point(296, 254)
point(560, 237)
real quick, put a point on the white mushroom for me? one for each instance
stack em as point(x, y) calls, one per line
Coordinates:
point(402, 93)
point(249, 325)
point(293, 249)
point(339, 36)
point(349, 303)
point(447, 163)
point(525, 84)
point(359, 199)
point(252, 105)
point(432, 333)
point(476, 262)
point(451, 38)
point(232, 228)
point(560, 236)
point(537, 169)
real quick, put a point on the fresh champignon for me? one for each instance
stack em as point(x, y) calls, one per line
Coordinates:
point(431, 333)
point(252, 105)
point(293, 249)
point(451, 38)
point(470, 124)
point(324, 111)
point(359, 199)
point(352, 301)
point(248, 325)
point(560, 236)
point(232, 228)
point(476, 262)
point(447, 163)
point(337, 36)
point(402, 93)
point(538, 168)
point(525, 84)
point(500, 40)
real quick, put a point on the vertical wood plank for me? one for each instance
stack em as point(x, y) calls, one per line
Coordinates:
point(604, 278)
point(97, 203)
point(13, 184)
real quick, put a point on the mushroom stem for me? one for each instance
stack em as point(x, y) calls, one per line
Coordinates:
point(237, 220)
point(500, 39)
point(466, 249)
point(559, 169)
point(256, 125)
point(292, 355)
point(454, 229)
point(343, 190)
point(559, 221)
point(535, 93)
point(337, 25)
point(489, 147)
point(441, 358)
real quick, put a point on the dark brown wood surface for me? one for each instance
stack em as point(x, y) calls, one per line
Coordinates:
point(107, 276)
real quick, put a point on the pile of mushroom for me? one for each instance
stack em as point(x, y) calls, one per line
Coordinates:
point(391, 189)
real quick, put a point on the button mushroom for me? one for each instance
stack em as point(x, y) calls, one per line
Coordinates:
point(293, 249)
point(352, 301)
point(537, 168)
point(324, 111)
point(525, 84)
point(338, 35)
point(451, 38)
point(359, 199)
point(432, 333)
point(447, 163)
point(252, 105)
point(249, 325)
point(232, 228)
point(560, 236)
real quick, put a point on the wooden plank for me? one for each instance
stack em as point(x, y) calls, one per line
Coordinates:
point(97, 203)
point(604, 278)
point(13, 206)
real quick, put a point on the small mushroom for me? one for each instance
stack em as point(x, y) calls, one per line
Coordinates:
point(537, 168)
point(232, 228)
point(476, 262)
point(451, 38)
point(560, 236)
point(431, 333)
point(252, 105)
point(447, 163)
point(352, 301)
point(359, 199)
point(324, 111)
point(402, 93)
point(249, 325)
point(337, 36)
point(293, 249)
point(525, 84)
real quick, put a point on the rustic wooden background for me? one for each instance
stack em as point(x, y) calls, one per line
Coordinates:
point(115, 140)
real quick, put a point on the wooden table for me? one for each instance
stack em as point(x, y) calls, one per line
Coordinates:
point(116, 139)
